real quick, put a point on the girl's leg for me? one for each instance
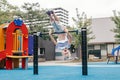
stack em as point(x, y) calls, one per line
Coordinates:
point(55, 17)
point(50, 16)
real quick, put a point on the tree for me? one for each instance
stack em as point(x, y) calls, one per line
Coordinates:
point(82, 21)
point(7, 11)
point(35, 17)
point(116, 30)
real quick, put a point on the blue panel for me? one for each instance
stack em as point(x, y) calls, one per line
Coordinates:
point(30, 45)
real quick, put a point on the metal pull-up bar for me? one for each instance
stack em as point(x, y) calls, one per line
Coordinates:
point(46, 33)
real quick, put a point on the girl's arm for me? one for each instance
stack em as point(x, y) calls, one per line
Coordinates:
point(69, 36)
point(55, 17)
point(52, 38)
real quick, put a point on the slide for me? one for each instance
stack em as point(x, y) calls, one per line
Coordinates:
point(115, 49)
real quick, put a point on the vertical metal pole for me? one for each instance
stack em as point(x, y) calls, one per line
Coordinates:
point(84, 51)
point(35, 60)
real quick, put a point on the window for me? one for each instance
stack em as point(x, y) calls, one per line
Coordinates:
point(90, 47)
point(103, 46)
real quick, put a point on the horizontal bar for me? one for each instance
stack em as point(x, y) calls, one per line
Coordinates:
point(46, 33)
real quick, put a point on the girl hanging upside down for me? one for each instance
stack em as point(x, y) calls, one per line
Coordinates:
point(63, 41)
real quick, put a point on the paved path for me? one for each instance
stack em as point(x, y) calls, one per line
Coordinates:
point(67, 63)
point(56, 63)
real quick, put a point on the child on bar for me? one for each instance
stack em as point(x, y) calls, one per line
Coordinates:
point(63, 41)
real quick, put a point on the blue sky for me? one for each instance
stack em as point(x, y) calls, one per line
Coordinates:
point(93, 8)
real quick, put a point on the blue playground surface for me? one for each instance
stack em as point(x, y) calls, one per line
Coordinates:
point(96, 71)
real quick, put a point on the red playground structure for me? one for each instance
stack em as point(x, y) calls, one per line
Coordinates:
point(14, 45)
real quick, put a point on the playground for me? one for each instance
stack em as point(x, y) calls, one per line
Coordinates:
point(64, 71)
point(19, 47)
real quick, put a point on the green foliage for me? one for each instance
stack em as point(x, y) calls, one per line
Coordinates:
point(116, 30)
point(80, 22)
point(7, 11)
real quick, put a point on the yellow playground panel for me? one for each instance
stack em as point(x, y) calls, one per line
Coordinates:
point(18, 42)
point(2, 36)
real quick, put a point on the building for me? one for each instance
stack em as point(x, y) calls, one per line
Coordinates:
point(63, 15)
point(104, 40)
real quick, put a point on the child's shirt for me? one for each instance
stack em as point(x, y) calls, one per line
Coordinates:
point(62, 44)
point(57, 26)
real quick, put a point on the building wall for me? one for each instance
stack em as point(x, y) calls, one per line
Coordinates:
point(49, 47)
point(106, 49)
point(101, 29)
